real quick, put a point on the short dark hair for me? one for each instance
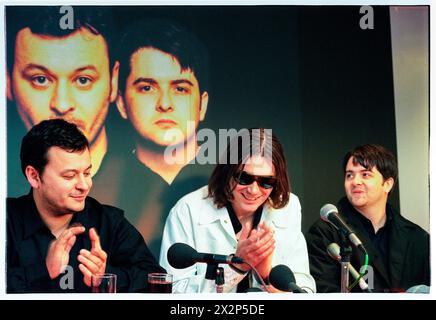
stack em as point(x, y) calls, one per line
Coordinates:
point(247, 146)
point(169, 37)
point(46, 134)
point(373, 155)
point(44, 20)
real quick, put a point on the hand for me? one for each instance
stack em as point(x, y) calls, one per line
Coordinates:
point(256, 248)
point(94, 261)
point(58, 253)
point(264, 267)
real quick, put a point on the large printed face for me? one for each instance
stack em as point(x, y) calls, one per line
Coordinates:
point(162, 100)
point(62, 77)
point(365, 188)
point(65, 181)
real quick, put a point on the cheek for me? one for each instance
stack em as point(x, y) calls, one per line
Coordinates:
point(267, 192)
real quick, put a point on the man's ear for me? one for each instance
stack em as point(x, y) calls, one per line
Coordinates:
point(388, 184)
point(8, 86)
point(33, 177)
point(114, 81)
point(203, 105)
point(121, 105)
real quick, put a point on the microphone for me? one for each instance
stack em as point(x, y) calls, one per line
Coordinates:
point(181, 255)
point(282, 278)
point(334, 250)
point(329, 213)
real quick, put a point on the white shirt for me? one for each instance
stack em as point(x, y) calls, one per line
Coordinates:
point(196, 221)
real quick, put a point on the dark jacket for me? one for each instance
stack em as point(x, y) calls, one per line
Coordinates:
point(408, 263)
point(28, 239)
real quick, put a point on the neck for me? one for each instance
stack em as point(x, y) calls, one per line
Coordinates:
point(56, 222)
point(376, 214)
point(98, 150)
point(166, 164)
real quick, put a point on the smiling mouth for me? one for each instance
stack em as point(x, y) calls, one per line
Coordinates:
point(250, 199)
point(79, 198)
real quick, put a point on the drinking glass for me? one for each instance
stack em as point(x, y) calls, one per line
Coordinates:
point(104, 283)
point(160, 283)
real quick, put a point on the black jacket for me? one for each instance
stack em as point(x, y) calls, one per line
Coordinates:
point(408, 261)
point(28, 239)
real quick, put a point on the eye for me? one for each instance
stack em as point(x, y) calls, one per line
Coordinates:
point(40, 81)
point(83, 81)
point(181, 89)
point(69, 176)
point(348, 176)
point(87, 174)
point(146, 88)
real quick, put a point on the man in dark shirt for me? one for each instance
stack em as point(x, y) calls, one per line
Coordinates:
point(398, 249)
point(57, 237)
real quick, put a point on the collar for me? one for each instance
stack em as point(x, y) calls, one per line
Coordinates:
point(237, 226)
point(33, 223)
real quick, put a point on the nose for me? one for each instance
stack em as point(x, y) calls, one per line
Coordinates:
point(62, 101)
point(357, 179)
point(253, 188)
point(83, 183)
point(165, 103)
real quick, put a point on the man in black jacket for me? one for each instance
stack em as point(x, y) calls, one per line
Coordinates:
point(398, 249)
point(57, 236)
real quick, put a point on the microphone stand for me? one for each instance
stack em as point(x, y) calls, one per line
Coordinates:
point(213, 272)
point(345, 252)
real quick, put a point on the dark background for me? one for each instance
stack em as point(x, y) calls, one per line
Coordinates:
point(310, 73)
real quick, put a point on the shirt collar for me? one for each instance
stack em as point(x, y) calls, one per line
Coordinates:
point(33, 222)
point(237, 226)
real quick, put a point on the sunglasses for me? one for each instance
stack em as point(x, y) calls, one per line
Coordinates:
point(245, 179)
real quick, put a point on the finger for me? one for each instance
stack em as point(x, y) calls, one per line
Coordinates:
point(65, 236)
point(95, 239)
point(89, 255)
point(99, 253)
point(265, 253)
point(89, 264)
point(87, 274)
point(70, 243)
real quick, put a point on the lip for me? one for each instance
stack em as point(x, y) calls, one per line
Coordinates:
point(357, 191)
point(250, 200)
point(79, 198)
point(165, 122)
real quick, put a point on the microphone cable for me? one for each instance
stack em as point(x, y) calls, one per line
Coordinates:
point(257, 275)
point(363, 268)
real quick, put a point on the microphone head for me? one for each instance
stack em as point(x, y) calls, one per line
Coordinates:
point(334, 251)
point(181, 256)
point(281, 277)
point(326, 210)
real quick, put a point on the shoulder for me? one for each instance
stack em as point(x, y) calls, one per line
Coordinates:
point(17, 207)
point(412, 228)
point(194, 206)
point(196, 199)
point(287, 216)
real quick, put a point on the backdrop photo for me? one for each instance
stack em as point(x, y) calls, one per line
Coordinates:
point(314, 75)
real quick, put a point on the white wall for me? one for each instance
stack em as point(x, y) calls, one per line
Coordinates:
point(410, 58)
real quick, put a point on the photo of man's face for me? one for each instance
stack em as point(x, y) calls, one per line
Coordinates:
point(62, 77)
point(161, 96)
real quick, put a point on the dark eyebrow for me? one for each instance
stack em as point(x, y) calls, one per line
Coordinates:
point(88, 67)
point(178, 81)
point(147, 80)
point(75, 171)
point(31, 66)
